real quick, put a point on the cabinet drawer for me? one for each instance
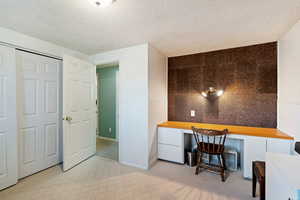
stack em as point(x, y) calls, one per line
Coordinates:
point(254, 149)
point(170, 136)
point(279, 146)
point(171, 153)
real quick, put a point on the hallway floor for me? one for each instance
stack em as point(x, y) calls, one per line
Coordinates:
point(104, 179)
point(107, 149)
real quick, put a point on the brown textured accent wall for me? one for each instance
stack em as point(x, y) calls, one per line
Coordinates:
point(248, 76)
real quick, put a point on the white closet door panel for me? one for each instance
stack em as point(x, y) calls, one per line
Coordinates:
point(51, 144)
point(51, 97)
point(51, 68)
point(51, 138)
point(8, 136)
point(3, 159)
point(51, 107)
point(3, 102)
point(38, 85)
point(29, 151)
point(30, 114)
point(30, 103)
point(29, 65)
point(30, 138)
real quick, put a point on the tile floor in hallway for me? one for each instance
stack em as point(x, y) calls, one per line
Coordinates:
point(107, 149)
point(100, 178)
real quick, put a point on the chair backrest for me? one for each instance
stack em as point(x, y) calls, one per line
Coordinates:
point(210, 141)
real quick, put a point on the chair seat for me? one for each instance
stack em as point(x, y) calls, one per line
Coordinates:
point(211, 148)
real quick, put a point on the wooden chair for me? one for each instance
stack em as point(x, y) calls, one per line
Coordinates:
point(258, 175)
point(210, 142)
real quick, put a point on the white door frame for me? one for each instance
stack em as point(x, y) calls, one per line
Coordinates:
point(117, 104)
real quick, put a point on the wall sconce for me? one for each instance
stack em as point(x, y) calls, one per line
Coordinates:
point(212, 92)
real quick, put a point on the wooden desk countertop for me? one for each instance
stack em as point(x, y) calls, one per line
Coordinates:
point(237, 130)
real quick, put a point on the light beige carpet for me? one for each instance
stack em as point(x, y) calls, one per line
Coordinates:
point(107, 149)
point(134, 186)
point(99, 178)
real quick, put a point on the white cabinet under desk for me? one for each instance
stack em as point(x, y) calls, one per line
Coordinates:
point(255, 142)
point(282, 176)
point(171, 145)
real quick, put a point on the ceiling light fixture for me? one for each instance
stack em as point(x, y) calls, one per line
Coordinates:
point(103, 3)
point(212, 92)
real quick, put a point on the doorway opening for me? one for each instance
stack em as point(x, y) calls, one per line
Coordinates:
point(107, 138)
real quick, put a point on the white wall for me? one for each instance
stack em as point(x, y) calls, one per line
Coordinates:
point(289, 82)
point(133, 102)
point(31, 43)
point(157, 97)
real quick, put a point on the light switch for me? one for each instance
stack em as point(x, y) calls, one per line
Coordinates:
point(193, 113)
point(109, 130)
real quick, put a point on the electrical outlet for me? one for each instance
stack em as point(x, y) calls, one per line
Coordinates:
point(193, 113)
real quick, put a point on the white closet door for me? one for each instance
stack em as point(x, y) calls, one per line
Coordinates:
point(38, 101)
point(79, 108)
point(8, 119)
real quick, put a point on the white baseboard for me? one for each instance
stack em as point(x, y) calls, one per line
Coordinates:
point(134, 165)
point(105, 138)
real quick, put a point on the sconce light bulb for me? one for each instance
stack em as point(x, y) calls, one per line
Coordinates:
point(204, 94)
point(220, 93)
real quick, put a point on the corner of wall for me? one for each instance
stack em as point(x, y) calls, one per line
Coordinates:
point(288, 104)
point(157, 103)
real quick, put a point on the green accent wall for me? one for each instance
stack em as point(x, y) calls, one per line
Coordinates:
point(107, 92)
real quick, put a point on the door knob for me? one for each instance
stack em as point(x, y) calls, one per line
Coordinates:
point(67, 118)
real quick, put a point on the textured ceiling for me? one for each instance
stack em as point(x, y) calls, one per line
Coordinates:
point(175, 27)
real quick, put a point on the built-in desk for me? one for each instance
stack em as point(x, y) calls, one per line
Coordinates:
point(255, 141)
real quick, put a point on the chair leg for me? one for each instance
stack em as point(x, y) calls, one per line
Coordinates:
point(199, 161)
point(254, 182)
point(262, 190)
point(224, 167)
point(221, 163)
